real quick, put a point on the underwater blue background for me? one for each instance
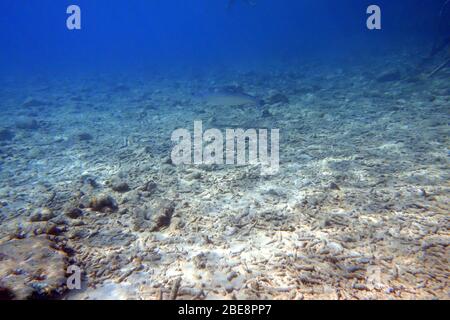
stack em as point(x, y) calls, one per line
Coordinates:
point(356, 207)
point(119, 34)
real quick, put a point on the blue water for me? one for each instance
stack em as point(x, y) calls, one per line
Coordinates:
point(118, 34)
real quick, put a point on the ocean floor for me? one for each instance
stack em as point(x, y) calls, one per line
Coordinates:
point(358, 210)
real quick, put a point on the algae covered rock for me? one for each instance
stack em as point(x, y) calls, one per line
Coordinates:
point(162, 215)
point(150, 186)
point(72, 211)
point(119, 185)
point(155, 218)
point(103, 203)
point(42, 214)
point(31, 268)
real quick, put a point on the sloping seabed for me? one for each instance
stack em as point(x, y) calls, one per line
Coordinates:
point(359, 208)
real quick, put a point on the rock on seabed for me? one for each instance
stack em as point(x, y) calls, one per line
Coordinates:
point(31, 268)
